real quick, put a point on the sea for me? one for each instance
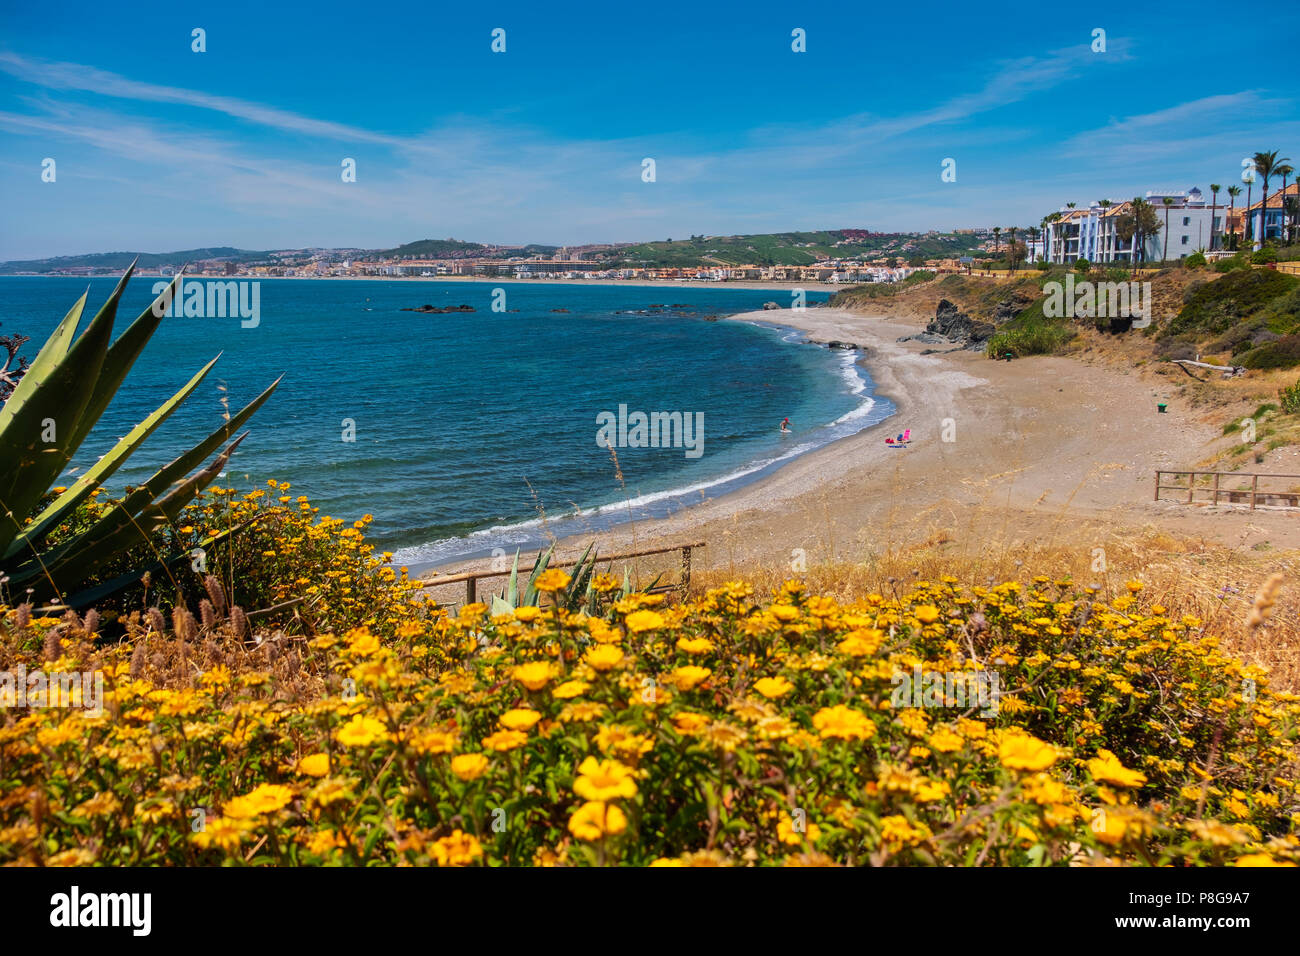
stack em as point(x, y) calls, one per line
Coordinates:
point(473, 433)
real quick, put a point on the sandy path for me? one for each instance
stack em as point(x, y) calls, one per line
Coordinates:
point(1042, 448)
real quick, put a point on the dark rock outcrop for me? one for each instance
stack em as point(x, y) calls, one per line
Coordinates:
point(952, 326)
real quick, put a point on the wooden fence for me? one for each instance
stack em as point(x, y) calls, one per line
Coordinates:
point(1213, 490)
point(471, 578)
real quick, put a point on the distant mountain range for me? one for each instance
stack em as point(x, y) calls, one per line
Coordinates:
point(120, 260)
point(782, 248)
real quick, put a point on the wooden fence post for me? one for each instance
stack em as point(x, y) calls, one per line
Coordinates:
point(471, 591)
point(1191, 485)
point(1157, 497)
point(1254, 490)
point(1216, 487)
point(686, 569)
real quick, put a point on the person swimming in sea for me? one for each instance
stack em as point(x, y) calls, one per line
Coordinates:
point(785, 426)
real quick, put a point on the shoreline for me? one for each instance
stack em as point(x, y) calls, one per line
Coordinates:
point(533, 534)
point(756, 284)
point(1043, 449)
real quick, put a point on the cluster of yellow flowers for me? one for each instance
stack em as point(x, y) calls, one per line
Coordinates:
point(720, 731)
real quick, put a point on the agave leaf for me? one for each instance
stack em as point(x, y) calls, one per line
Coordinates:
point(512, 583)
point(581, 579)
point(62, 506)
point(137, 500)
point(119, 530)
point(500, 606)
point(51, 353)
point(121, 357)
point(59, 399)
point(530, 593)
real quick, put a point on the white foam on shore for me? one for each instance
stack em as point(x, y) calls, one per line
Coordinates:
point(523, 534)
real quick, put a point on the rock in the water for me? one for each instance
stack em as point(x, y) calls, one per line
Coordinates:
point(770, 305)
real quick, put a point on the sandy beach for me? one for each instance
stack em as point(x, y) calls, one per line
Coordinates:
point(1042, 450)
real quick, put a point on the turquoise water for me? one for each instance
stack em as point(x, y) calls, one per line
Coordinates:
point(470, 426)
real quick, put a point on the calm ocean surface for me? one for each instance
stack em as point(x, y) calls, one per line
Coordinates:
point(469, 426)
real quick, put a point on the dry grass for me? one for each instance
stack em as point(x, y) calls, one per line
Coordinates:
point(1214, 583)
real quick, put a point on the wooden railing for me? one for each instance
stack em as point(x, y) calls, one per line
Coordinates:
point(1214, 488)
point(471, 578)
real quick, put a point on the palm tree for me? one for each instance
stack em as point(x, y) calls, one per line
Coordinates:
point(1267, 164)
point(1011, 250)
point(1214, 206)
point(1032, 233)
point(997, 237)
point(1169, 204)
point(1233, 193)
point(1049, 224)
point(1248, 177)
point(1104, 204)
point(1284, 170)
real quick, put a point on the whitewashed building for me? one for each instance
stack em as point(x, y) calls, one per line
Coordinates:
point(1091, 233)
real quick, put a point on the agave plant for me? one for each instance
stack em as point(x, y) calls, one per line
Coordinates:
point(51, 411)
point(578, 596)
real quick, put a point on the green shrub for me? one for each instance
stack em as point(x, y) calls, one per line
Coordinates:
point(1042, 265)
point(1231, 263)
point(1290, 398)
point(1284, 353)
point(1195, 261)
point(1264, 255)
point(1082, 265)
point(1217, 306)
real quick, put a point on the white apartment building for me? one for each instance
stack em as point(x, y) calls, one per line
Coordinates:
point(1091, 233)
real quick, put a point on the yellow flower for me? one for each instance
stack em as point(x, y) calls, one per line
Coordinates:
point(519, 718)
point(927, 613)
point(459, 849)
point(527, 613)
point(785, 613)
point(604, 780)
point(1258, 859)
point(534, 675)
point(361, 731)
point(843, 722)
point(434, 742)
point(688, 677)
point(222, 833)
point(946, 741)
point(604, 657)
point(315, 765)
point(504, 740)
point(266, 798)
point(1020, 751)
point(595, 820)
point(552, 579)
point(1106, 768)
point(469, 766)
point(786, 832)
point(570, 688)
point(697, 645)
point(688, 723)
point(773, 687)
point(640, 621)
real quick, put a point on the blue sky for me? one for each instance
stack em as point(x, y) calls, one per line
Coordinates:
point(160, 148)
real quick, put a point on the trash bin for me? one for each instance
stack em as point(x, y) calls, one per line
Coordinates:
point(1160, 407)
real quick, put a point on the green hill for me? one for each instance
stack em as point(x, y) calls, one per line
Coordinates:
point(794, 248)
point(117, 261)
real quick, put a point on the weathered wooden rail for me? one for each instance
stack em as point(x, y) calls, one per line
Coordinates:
point(1253, 495)
point(471, 578)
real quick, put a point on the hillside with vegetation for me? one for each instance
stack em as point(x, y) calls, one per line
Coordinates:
point(794, 248)
point(120, 261)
